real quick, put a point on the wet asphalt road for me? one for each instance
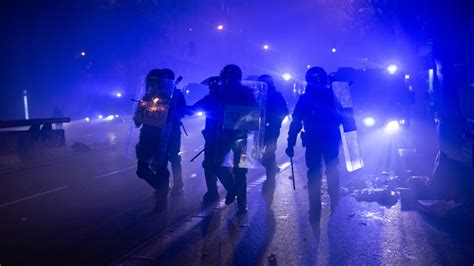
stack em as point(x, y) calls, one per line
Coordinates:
point(89, 208)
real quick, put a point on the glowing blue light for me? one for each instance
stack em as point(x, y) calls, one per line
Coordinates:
point(200, 113)
point(407, 76)
point(286, 76)
point(392, 127)
point(368, 121)
point(187, 91)
point(333, 50)
point(100, 116)
point(220, 27)
point(87, 119)
point(109, 118)
point(392, 68)
point(116, 116)
point(118, 94)
point(83, 53)
point(265, 47)
point(308, 66)
point(286, 119)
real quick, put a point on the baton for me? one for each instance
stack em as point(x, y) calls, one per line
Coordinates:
point(292, 173)
point(197, 155)
point(184, 129)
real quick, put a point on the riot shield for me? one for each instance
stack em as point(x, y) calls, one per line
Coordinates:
point(248, 126)
point(348, 128)
point(151, 114)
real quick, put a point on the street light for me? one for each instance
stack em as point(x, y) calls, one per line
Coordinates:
point(118, 94)
point(392, 68)
point(286, 76)
point(265, 47)
point(333, 50)
point(220, 27)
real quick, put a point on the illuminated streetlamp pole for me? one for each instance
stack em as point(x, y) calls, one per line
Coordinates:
point(25, 103)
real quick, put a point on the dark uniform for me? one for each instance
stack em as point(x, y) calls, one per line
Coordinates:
point(211, 105)
point(316, 111)
point(220, 141)
point(153, 145)
point(276, 110)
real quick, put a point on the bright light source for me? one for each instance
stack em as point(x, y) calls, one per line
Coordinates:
point(220, 27)
point(392, 127)
point(368, 121)
point(100, 116)
point(190, 29)
point(308, 66)
point(392, 68)
point(109, 118)
point(286, 76)
point(333, 50)
point(83, 53)
point(116, 116)
point(407, 76)
point(187, 91)
point(266, 47)
point(200, 113)
point(87, 119)
point(286, 119)
point(119, 95)
point(155, 100)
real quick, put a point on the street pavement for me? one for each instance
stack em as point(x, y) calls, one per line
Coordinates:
point(89, 208)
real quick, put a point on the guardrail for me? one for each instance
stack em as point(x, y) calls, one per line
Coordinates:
point(39, 135)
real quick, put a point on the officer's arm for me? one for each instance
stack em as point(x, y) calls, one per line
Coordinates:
point(296, 124)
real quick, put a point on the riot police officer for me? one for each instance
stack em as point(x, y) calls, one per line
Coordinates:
point(211, 106)
point(317, 113)
point(152, 147)
point(276, 110)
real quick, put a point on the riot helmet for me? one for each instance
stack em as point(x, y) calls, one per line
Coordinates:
point(316, 77)
point(230, 75)
point(268, 80)
point(153, 79)
point(168, 73)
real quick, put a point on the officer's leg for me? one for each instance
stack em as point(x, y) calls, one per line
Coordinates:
point(331, 152)
point(223, 173)
point(162, 187)
point(144, 152)
point(313, 162)
point(241, 188)
point(175, 159)
point(210, 173)
point(269, 159)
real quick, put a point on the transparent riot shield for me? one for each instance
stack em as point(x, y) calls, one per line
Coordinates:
point(248, 126)
point(152, 109)
point(349, 135)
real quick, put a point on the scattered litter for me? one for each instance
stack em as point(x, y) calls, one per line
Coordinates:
point(383, 196)
point(356, 184)
point(372, 215)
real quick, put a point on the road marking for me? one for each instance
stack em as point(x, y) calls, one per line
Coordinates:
point(115, 172)
point(33, 196)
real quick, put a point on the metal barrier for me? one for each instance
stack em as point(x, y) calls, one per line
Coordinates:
point(39, 135)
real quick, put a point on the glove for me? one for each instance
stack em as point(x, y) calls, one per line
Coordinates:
point(290, 151)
